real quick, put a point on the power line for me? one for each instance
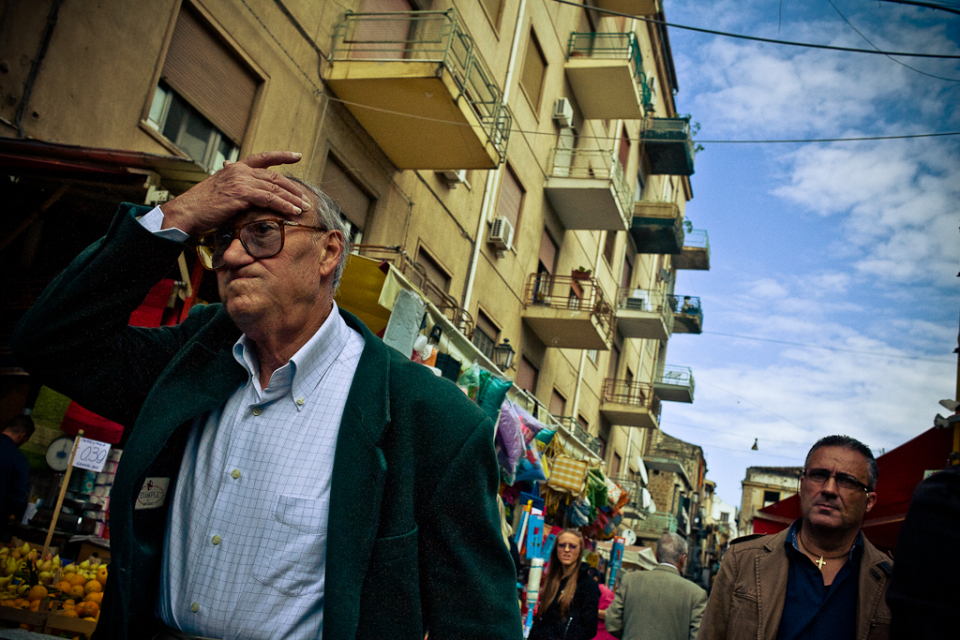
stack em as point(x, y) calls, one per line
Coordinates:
point(854, 139)
point(777, 415)
point(841, 349)
point(768, 40)
point(928, 5)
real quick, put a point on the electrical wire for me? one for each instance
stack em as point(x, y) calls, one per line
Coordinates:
point(902, 64)
point(839, 349)
point(674, 25)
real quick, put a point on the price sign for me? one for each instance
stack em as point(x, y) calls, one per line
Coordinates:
point(91, 454)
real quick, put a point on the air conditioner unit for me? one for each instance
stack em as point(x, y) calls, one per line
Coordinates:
point(563, 112)
point(501, 233)
point(454, 178)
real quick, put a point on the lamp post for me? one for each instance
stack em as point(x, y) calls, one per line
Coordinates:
point(503, 355)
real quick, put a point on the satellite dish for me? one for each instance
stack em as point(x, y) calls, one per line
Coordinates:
point(629, 537)
point(58, 453)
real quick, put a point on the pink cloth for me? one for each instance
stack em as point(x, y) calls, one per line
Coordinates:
point(606, 597)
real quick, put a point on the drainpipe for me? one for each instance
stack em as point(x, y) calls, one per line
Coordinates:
point(494, 175)
point(35, 66)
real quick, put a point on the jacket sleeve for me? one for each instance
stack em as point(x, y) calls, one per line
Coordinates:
point(715, 620)
point(696, 613)
point(76, 337)
point(614, 619)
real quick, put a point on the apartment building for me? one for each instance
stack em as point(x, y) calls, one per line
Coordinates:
point(762, 487)
point(519, 163)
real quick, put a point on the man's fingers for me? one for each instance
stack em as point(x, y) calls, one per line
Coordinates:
point(266, 159)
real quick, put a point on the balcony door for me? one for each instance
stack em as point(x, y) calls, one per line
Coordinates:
point(383, 37)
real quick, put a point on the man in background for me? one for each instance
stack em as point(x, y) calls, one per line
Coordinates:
point(660, 604)
point(14, 470)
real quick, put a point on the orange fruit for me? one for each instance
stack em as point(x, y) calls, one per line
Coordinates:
point(76, 591)
point(94, 596)
point(37, 593)
point(102, 575)
point(69, 613)
point(88, 609)
point(93, 586)
point(77, 579)
point(35, 605)
point(63, 586)
point(70, 601)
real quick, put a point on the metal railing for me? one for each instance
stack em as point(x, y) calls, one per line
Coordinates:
point(634, 489)
point(612, 46)
point(685, 305)
point(592, 164)
point(677, 376)
point(415, 273)
point(578, 432)
point(428, 36)
point(570, 293)
point(659, 522)
point(697, 239)
point(651, 301)
point(636, 394)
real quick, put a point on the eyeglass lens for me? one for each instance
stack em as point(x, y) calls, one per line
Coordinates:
point(261, 239)
point(820, 476)
point(567, 545)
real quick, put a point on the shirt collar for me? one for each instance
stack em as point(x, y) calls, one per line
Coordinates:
point(791, 542)
point(300, 376)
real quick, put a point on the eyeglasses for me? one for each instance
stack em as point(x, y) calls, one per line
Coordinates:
point(819, 477)
point(568, 545)
point(260, 239)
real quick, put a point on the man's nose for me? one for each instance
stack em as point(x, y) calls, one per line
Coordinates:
point(235, 254)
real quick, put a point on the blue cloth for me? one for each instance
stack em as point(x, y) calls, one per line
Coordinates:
point(14, 473)
point(812, 610)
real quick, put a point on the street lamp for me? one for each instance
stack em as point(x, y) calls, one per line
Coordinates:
point(503, 355)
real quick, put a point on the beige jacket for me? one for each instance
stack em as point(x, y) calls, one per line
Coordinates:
point(748, 594)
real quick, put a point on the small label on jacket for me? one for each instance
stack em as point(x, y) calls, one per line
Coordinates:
point(153, 494)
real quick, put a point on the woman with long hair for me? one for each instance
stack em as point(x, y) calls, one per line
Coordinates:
point(568, 596)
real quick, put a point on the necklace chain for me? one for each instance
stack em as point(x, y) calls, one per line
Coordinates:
point(821, 560)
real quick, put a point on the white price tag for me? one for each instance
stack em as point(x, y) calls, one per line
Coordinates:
point(91, 454)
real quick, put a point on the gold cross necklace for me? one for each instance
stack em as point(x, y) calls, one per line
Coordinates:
point(820, 561)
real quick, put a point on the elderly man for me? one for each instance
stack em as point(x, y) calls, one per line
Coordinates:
point(660, 604)
point(820, 578)
point(285, 473)
point(14, 470)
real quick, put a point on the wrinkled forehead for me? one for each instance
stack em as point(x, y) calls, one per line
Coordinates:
point(839, 460)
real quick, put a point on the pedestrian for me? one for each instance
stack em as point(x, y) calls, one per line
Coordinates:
point(14, 471)
point(569, 598)
point(606, 597)
point(300, 469)
point(659, 604)
point(820, 577)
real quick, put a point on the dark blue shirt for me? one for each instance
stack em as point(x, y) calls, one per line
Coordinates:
point(811, 610)
point(14, 473)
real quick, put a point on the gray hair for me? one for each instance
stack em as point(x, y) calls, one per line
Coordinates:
point(328, 216)
point(851, 444)
point(670, 548)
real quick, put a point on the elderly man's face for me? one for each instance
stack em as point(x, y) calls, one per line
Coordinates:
point(287, 285)
point(828, 506)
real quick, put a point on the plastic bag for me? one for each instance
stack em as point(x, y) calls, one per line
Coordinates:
point(510, 444)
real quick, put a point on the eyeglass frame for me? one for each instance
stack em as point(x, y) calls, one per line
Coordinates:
point(235, 235)
point(840, 479)
point(567, 545)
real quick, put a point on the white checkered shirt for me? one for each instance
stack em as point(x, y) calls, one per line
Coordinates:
point(244, 555)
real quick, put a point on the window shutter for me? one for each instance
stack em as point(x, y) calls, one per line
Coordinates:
point(527, 376)
point(548, 252)
point(209, 76)
point(511, 199)
point(353, 201)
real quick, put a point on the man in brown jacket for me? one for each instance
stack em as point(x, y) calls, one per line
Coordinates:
point(821, 578)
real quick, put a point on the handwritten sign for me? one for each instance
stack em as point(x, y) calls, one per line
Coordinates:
point(91, 454)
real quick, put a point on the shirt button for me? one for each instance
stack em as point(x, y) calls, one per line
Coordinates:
point(235, 473)
point(195, 607)
point(216, 540)
point(257, 411)
point(300, 402)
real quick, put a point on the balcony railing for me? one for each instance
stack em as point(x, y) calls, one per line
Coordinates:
point(569, 294)
point(644, 313)
point(581, 434)
point(434, 37)
point(675, 384)
point(593, 164)
point(695, 253)
point(635, 394)
point(659, 523)
point(612, 46)
point(417, 276)
point(657, 227)
point(687, 314)
point(669, 146)
point(634, 488)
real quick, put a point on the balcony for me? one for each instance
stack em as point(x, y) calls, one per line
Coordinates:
point(657, 524)
point(669, 145)
point(606, 74)
point(415, 81)
point(687, 314)
point(696, 252)
point(631, 7)
point(583, 436)
point(567, 312)
point(657, 227)
point(675, 384)
point(644, 314)
point(588, 189)
point(630, 404)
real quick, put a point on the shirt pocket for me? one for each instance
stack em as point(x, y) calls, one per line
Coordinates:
point(293, 548)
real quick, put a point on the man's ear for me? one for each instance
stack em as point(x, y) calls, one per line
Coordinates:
point(871, 500)
point(332, 247)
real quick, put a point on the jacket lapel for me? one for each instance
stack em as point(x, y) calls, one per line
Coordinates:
point(875, 569)
point(772, 572)
point(359, 469)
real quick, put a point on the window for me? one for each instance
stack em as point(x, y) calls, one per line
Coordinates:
point(638, 188)
point(623, 152)
point(527, 375)
point(583, 423)
point(548, 254)
point(610, 246)
point(339, 183)
point(724, 516)
point(485, 334)
point(511, 199)
point(769, 497)
point(558, 404)
point(603, 446)
point(435, 274)
point(626, 274)
point(615, 464)
point(534, 69)
point(203, 100)
point(593, 354)
point(614, 361)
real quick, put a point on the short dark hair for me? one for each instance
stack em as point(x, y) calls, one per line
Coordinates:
point(20, 424)
point(852, 444)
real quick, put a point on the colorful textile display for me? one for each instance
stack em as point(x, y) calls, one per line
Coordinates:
point(567, 474)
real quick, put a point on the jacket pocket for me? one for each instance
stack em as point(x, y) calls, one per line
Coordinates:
point(293, 546)
point(390, 601)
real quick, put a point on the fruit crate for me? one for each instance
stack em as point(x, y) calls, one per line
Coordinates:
point(45, 621)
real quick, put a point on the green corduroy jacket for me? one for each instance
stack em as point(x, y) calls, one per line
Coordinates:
point(414, 541)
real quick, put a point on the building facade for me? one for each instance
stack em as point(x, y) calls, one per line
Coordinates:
point(519, 162)
point(764, 486)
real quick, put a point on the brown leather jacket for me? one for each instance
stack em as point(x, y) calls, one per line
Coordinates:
point(747, 598)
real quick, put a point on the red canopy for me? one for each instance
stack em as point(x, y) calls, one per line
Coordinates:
point(901, 470)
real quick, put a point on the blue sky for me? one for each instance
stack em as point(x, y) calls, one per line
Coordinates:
point(851, 246)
